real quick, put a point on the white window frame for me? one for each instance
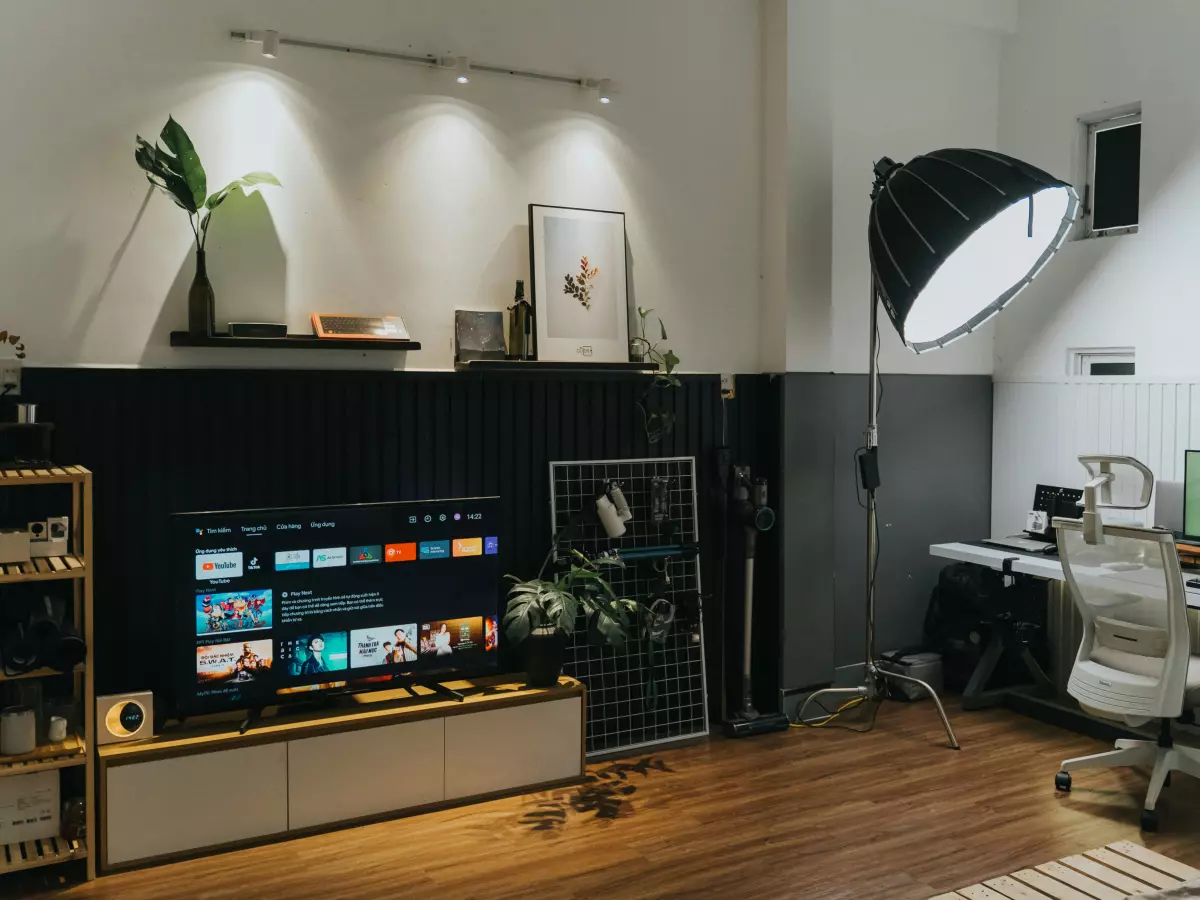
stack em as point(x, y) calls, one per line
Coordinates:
point(1080, 360)
point(1093, 125)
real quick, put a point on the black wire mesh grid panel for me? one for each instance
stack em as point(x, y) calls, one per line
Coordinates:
point(620, 716)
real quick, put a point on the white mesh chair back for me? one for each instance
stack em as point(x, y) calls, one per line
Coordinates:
point(1132, 662)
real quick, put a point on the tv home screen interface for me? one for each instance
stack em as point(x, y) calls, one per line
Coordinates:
point(285, 602)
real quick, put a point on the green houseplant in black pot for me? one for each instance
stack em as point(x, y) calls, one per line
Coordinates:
point(175, 169)
point(541, 614)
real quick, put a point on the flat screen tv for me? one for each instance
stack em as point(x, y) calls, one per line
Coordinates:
point(275, 604)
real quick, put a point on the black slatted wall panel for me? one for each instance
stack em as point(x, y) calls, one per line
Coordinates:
point(175, 440)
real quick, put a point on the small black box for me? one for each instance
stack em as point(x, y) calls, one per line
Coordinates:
point(257, 329)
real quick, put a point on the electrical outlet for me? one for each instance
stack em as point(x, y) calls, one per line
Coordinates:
point(728, 391)
point(10, 379)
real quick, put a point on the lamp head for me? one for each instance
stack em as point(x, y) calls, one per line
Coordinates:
point(956, 234)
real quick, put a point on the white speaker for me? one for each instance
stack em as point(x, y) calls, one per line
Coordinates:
point(124, 717)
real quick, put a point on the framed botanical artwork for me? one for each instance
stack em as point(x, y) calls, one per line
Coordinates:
point(580, 294)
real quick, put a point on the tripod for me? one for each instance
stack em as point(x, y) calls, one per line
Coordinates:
point(875, 686)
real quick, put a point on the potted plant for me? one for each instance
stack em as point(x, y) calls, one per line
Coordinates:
point(542, 613)
point(175, 169)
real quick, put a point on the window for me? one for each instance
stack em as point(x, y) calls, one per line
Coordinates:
point(1100, 362)
point(1111, 188)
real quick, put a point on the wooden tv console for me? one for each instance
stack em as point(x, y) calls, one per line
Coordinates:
point(206, 787)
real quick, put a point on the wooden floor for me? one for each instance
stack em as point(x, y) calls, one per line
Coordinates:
point(811, 814)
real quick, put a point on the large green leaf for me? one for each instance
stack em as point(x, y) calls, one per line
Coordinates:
point(186, 162)
point(249, 180)
point(522, 617)
point(153, 162)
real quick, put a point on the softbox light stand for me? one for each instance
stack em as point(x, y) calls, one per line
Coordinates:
point(875, 687)
point(954, 236)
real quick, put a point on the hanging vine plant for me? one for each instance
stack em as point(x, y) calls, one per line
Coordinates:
point(657, 421)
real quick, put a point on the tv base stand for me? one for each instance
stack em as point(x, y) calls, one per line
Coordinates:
point(253, 717)
point(437, 687)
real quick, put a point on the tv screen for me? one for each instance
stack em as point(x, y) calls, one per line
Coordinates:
point(275, 604)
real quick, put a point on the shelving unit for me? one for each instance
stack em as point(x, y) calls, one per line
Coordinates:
point(46, 852)
point(62, 755)
point(75, 751)
point(42, 673)
point(291, 342)
point(546, 365)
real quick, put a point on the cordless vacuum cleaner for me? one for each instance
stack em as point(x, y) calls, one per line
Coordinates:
point(751, 510)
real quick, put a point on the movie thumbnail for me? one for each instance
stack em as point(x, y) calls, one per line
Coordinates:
point(233, 663)
point(238, 611)
point(313, 654)
point(388, 645)
point(491, 633)
point(451, 636)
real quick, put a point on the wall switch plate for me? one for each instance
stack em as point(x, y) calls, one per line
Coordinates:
point(727, 387)
point(10, 379)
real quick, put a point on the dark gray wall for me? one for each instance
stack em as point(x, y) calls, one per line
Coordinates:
point(806, 536)
point(935, 449)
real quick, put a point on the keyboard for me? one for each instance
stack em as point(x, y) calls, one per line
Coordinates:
point(1025, 545)
point(341, 326)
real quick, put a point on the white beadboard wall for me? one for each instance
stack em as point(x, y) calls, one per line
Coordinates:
point(1040, 428)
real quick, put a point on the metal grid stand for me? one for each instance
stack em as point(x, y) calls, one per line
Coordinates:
point(618, 717)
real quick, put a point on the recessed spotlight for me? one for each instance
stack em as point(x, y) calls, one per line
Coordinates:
point(270, 44)
point(604, 90)
point(462, 65)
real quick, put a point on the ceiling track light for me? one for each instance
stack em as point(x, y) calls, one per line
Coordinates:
point(463, 66)
point(602, 87)
point(460, 65)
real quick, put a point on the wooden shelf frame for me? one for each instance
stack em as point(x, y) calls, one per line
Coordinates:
point(44, 673)
point(72, 567)
point(44, 852)
point(44, 568)
point(17, 476)
point(62, 755)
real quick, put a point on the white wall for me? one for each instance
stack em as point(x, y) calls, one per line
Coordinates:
point(908, 78)
point(865, 79)
point(1075, 57)
point(1041, 428)
point(403, 192)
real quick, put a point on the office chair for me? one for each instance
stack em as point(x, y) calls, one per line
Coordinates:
point(1135, 662)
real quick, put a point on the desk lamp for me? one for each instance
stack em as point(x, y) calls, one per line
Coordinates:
point(954, 236)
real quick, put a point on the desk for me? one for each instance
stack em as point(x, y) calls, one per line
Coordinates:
point(1036, 564)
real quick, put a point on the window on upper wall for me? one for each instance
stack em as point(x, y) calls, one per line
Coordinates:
point(1099, 362)
point(1112, 186)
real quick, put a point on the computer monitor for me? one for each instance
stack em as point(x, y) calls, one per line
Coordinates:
point(1191, 494)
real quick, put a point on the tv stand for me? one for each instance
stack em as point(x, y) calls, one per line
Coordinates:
point(372, 756)
point(253, 717)
point(408, 683)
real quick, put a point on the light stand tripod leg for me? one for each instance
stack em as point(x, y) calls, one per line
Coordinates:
point(932, 693)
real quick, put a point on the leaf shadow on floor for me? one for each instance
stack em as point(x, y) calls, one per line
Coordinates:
point(606, 793)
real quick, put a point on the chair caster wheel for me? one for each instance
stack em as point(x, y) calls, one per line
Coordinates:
point(1149, 820)
point(1062, 782)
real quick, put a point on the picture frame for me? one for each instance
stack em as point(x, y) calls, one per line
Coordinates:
point(579, 284)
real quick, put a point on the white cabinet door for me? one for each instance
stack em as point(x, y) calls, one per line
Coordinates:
point(181, 804)
point(344, 776)
point(505, 749)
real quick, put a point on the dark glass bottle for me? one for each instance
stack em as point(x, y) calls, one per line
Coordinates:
point(201, 301)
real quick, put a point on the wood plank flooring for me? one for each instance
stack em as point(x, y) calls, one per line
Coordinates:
point(807, 814)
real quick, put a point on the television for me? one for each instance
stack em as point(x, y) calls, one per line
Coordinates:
point(276, 604)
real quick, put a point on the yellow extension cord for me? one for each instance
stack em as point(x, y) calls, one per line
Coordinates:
point(849, 704)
